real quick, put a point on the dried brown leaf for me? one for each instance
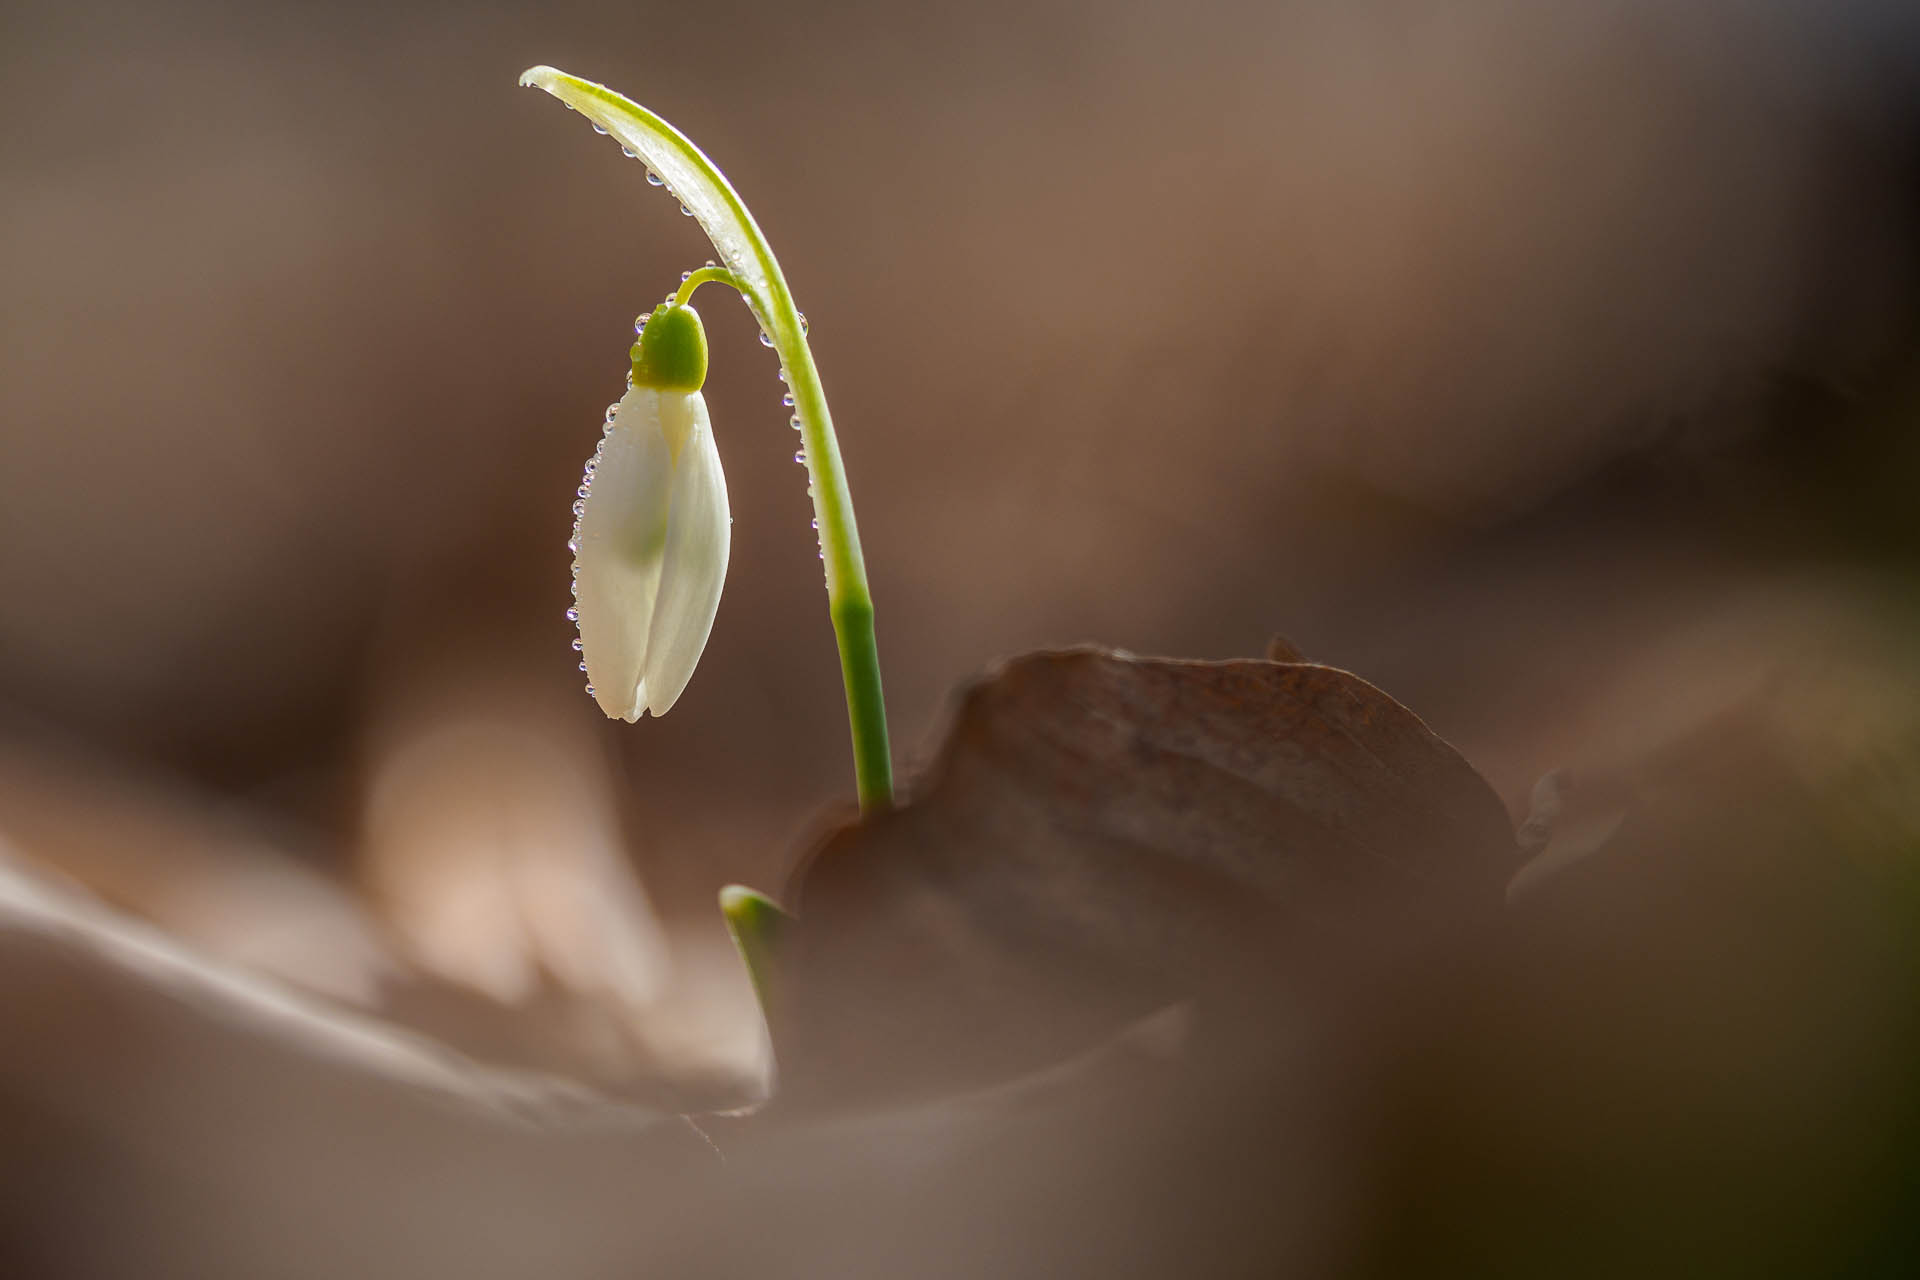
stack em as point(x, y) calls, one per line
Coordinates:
point(1102, 834)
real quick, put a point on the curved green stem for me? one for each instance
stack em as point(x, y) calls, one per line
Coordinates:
point(705, 193)
point(705, 275)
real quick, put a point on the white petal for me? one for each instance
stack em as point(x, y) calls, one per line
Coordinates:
point(623, 543)
point(699, 537)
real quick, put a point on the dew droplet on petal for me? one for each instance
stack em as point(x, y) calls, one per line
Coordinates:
point(583, 666)
point(579, 507)
point(573, 615)
point(803, 322)
point(794, 422)
point(815, 523)
point(589, 691)
point(599, 128)
point(766, 339)
point(800, 456)
point(655, 180)
point(787, 399)
point(688, 212)
point(685, 276)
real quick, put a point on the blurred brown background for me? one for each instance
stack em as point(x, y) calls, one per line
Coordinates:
point(1551, 366)
point(1161, 327)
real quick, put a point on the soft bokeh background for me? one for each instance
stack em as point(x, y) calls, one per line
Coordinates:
point(1552, 366)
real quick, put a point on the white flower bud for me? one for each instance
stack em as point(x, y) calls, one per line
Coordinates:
point(651, 548)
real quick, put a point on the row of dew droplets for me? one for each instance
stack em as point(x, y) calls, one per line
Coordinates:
point(800, 455)
point(579, 511)
point(787, 401)
point(742, 265)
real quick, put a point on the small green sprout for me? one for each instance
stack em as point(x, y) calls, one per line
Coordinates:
point(756, 922)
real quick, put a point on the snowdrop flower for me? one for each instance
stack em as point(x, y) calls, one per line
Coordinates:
point(652, 539)
point(652, 535)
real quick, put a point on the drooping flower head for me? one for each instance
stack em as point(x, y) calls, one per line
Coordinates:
point(652, 530)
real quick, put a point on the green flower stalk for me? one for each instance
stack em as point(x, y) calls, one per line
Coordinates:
point(748, 265)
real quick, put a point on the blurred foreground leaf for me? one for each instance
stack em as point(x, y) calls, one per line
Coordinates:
point(1104, 834)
